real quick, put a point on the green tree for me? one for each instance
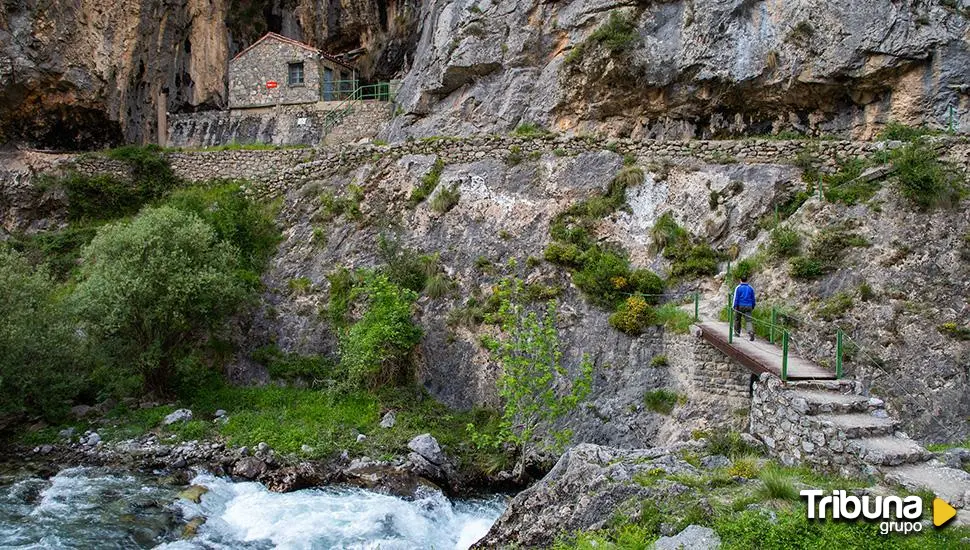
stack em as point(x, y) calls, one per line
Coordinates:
point(533, 379)
point(150, 289)
point(40, 367)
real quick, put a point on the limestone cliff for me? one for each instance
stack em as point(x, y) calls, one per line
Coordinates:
point(686, 68)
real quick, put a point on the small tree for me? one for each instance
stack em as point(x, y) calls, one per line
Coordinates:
point(533, 384)
point(152, 287)
point(40, 367)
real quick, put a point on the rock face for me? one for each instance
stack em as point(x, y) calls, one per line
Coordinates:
point(694, 537)
point(684, 68)
point(588, 486)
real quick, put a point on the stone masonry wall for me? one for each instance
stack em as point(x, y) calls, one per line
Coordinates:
point(367, 120)
point(283, 125)
point(794, 434)
point(716, 388)
point(268, 61)
point(275, 171)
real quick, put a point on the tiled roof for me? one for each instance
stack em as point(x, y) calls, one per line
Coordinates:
point(290, 41)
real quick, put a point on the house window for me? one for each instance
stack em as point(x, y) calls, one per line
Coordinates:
point(295, 73)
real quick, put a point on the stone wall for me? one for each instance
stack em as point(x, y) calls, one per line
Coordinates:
point(284, 125)
point(266, 61)
point(716, 388)
point(797, 431)
point(367, 120)
point(274, 171)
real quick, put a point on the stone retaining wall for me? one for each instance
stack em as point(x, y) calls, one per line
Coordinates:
point(705, 370)
point(274, 171)
point(792, 433)
point(281, 125)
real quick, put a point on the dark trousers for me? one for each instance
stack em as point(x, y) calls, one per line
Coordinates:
point(742, 314)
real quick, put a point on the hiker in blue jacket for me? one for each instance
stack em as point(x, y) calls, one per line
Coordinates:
point(743, 306)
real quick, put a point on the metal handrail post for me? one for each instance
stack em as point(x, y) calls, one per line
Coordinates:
point(730, 320)
point(784, 356)
point(838, 354)
point(771, 327)
point(696, 306)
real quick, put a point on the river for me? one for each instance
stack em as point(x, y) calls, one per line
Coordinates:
point(99, 508)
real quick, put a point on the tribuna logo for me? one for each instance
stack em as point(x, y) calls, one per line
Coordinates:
point(896, 514)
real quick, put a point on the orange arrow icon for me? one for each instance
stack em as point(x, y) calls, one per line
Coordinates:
point(942, 512)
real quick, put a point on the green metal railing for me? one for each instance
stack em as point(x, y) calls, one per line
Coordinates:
point(371, 92)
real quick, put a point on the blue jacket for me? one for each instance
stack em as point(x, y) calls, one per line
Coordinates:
point(744, 296)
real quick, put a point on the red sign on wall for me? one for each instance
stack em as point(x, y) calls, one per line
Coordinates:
point(272, 84)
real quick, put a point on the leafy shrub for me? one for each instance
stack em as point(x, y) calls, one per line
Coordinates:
point(375, 351)
point(844, 185)
point(617, 34)
point(41, 361)
point(236, 219)
point(405, 267)
point(59, 250)
point(445, 199)
point(825, 252)
point(333, 206)
point(744, 466)
point(532, 378)
point(633, 316)
point(836, 306)
point(514, 158)
point(606, 279)
point(437, 286)
point(924, 179)
point(659, 361)
point(300, 285)
point(428, 183)
point(149, 288)
point(744, 269)
point(660, 401)
point(292, 366)
point(784, 242)
point(688, 258)
point(896, 131)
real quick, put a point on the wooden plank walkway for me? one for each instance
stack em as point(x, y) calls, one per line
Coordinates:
point(760, 356)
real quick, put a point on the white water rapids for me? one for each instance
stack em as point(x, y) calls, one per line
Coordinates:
point(95, 508)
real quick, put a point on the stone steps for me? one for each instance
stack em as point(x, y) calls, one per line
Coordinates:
point(949, 484)
point(857, 425)
point(823, 402)
point(888, 451)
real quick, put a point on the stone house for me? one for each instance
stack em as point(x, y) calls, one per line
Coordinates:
point(276, 70)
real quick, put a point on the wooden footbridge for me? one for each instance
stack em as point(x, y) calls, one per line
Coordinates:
point(760, 356)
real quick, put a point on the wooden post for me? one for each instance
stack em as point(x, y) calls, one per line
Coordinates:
point(161, 109)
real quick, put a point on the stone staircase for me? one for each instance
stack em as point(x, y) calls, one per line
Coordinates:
point(830, 425)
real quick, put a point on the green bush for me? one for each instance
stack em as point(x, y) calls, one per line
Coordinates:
point(42, 364)
point(405, 267)
point(844, 186)
point(744, 269)
point(728, 444)
point(59, 249)
point(606, 279)
point(632, 316)
point(825, 252)
point(660, 401)
point(784, 242)
point(428, 183)
point(674, 318)
point(333, 206)
point(446, 199)
point(836, 306)
point(806, 268)
point(895, 131)
point(375, 351)
point(924, 179)
point(617, 34)
point(151, 287)
point(531, 384)
point(237, 219)
point(659, 361)
point(689, 259)
point(292, 366)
